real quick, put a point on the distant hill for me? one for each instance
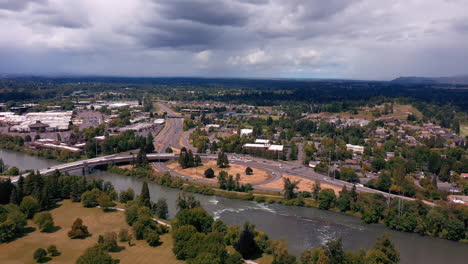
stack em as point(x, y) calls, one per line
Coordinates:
point(462, 79)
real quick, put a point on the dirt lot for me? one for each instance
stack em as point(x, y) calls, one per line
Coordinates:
point(304, 184)
point(257, 176)
point(21, 250)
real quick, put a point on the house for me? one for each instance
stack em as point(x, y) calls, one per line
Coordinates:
point(464, 175)
point(355, 148)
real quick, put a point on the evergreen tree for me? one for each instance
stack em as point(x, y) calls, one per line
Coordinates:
point(149, 148)
point(222, 180)
point(246, 245)
point(145, 198)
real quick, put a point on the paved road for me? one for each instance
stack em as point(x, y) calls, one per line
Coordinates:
point(173, 128)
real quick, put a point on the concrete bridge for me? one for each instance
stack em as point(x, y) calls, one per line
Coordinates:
point(111, 159)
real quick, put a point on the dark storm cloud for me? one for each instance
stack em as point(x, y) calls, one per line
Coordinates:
point(322, 38)
point(216, 13)
point(178, 34)
point(17, 5)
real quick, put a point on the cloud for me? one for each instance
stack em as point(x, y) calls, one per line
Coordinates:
point(18, 5)
point(254, 38)
point(216, 13)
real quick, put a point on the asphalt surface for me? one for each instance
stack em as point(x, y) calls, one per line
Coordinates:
point(172, 131)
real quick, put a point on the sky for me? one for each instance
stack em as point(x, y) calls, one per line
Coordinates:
point(349, 39)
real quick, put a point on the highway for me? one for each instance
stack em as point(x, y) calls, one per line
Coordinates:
point(172, 131)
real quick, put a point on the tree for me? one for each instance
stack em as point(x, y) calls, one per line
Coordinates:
point(45, 221)
point(53, 251)
point(149, 148)
point(145, 198)
point(123, 235)
point(109, 242)
point(279, 250)
point(348, 174)
point(29, 206)
point(152, 238)
point(209, 173)
point(141, 159)
point(197, 161)
point(105, 201)
point(223, 161)
point(78, 230)
point(161, 208)
point(455, 229)
point(95, 255)
point(169, 150)
point(39, 255)
point(316, 189)
point(326, 199)
point(334, 251)
point(127, 195)
point(89, 198)
point(230, 183)
point(222, 180)
point(187, 202)
point(385, 245)
point(248, 171)
point(344, 201)
point(246, 244)
point(289, 188)
point(196, 217)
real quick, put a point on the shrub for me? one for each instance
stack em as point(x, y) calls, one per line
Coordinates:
point(45, 221)
point(39, 255)
point(105, 201)
point(95, 254)
point(52, 250)
point(78, 230)
point(123, 235)
point(209, 173)
point(152, 237)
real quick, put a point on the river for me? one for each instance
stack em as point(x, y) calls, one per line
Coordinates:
point(303, 228)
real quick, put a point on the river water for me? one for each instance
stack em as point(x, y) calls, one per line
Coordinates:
point(303, 228)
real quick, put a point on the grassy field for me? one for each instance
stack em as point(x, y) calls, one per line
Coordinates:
point(21, 250)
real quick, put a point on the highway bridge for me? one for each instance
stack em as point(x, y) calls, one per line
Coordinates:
point(105, 160)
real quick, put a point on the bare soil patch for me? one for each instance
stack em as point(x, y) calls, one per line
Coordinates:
point(198, 172)
point(304, 184)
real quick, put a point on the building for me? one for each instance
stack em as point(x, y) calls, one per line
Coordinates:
point(38, 126)
point(246, 132)
point(262, 141)
point(355, 148)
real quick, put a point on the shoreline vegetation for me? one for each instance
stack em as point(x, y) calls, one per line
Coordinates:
point(401, 215)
